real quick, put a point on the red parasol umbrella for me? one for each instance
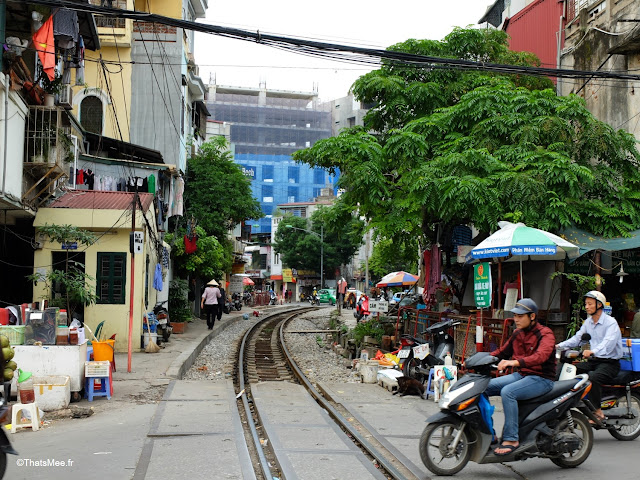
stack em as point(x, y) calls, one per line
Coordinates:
point(247, 281)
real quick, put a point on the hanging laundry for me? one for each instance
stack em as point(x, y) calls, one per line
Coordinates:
point(190, 244)
point(165, 257)
point(157, 278)
point(79, 61)
point(66, 28)
point(178, 202)
point(90, 179)
point(152, 183)
point(80, 177)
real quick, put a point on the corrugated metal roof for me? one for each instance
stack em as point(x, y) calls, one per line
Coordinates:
point(534, 28)
point(98, 200)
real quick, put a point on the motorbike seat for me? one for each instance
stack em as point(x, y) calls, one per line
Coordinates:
point(624, 377)
point(558, 389)
point(419, 341)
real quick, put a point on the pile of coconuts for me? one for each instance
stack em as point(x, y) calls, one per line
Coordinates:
point(7, 353)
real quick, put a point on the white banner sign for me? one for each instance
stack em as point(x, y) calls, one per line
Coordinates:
point(378, 306)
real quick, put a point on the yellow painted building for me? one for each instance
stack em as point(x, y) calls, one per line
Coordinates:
point(108, 261)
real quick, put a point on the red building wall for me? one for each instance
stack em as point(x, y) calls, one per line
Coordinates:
point(534, 29)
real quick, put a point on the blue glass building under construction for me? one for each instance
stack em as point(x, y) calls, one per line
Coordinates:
point(266, 128)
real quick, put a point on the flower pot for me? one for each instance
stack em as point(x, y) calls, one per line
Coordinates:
point(49, 100)
point(179, 327)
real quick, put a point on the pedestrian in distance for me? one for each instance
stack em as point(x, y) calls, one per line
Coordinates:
point(222, 304)
point(530, 349)
point(605, 347)
point(209, 302)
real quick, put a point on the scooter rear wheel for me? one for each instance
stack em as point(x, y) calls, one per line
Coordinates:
point(435, 452)
point(627, 432)
point(584, 430)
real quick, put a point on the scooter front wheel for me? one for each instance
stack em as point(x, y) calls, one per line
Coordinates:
point(436, 449)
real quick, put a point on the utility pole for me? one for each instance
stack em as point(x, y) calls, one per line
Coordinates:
point(321, 256)
point(133, 263)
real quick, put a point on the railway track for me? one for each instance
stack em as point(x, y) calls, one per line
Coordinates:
point(266, 370)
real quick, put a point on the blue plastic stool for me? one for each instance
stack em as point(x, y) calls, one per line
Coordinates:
point(103, 391)
point(429, 390)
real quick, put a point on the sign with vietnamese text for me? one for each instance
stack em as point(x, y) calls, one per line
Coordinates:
point(69, 245)
point(379, 306)
point(482, 284)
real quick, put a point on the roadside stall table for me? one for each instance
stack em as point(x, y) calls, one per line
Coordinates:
point(53, 360)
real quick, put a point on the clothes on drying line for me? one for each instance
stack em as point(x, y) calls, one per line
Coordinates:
point(157, 278)
point(65, 27)
point(165, 257)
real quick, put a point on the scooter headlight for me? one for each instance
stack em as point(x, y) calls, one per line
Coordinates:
point(453, 394)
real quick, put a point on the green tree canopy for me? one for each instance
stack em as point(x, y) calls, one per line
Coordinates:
point(487, 150)
point(217, 193)
point(211, 259)
point(342, 233)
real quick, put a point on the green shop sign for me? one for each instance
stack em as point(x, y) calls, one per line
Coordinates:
point(482, 284)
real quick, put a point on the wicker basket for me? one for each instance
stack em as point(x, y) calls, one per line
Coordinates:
point(97, 369)
point(15, 333)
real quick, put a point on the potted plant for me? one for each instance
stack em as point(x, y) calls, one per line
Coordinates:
point(51, 89)
point(179, 311)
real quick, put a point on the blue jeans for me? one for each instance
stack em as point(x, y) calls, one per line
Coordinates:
point(512, 388)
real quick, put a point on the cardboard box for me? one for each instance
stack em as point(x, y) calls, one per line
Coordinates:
point(630, 354)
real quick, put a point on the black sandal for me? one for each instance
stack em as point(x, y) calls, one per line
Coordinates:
point(510, 449)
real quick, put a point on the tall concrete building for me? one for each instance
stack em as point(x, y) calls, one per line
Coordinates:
point(267, 127)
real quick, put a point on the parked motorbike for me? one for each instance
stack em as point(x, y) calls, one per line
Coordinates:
point(237, 301)
point(550, 426)
point(273, 299)
point(247, 298)
point(417, 363)
point(164, 328)
point(362, 309)
point(620, 399)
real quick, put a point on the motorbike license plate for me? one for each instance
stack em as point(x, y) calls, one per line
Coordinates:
point(421, 351)
point(404, 353)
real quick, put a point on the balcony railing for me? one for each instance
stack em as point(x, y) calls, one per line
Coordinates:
point(109, 22)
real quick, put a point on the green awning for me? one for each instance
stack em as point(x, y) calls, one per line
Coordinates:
point(587, 241)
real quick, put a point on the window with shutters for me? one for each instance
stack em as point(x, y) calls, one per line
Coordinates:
point(111, 277)
point(91, 114)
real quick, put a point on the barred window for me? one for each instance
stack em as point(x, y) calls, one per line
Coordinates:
point(109, 22)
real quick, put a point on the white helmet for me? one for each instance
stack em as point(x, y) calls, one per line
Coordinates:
point(598, 297)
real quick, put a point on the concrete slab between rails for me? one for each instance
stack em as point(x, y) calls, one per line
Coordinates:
point(196, 433)
point(307, 443)
point(397, 423)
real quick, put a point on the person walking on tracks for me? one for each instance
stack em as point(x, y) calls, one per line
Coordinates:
point(209, 302)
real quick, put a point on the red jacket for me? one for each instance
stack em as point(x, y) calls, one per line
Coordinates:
point(534, 348)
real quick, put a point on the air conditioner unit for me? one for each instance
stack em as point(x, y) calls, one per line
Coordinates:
point(65, 97)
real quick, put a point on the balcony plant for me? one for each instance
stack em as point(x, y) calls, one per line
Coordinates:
point(51, 88)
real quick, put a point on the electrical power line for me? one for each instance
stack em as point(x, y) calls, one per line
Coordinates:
point(336, 51)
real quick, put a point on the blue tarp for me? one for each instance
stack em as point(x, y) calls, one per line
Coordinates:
point(587, 241)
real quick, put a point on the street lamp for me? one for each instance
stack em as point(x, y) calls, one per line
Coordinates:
point(321, 248)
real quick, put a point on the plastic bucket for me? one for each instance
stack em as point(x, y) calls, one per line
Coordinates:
point(150, 336)
point(103, 351)
point(369, 372)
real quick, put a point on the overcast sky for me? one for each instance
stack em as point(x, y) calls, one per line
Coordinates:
point(375, 23)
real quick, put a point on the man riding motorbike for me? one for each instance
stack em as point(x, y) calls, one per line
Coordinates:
point(531, 349)
point(605, 351)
